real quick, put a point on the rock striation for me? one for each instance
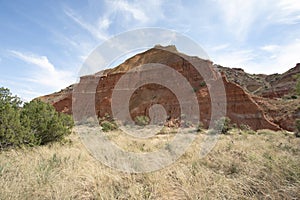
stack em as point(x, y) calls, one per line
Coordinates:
point(241, 106)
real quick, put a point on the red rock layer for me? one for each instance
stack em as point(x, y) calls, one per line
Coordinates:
point(241, 108)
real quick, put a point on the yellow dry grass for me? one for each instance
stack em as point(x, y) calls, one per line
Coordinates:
point(241, 166)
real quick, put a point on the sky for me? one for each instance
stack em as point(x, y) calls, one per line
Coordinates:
point(43, 44)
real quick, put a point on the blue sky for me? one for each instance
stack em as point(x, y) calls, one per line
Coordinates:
point(44, 43)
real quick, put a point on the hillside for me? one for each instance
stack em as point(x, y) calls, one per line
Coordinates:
point(252, 92)
point(269, 86)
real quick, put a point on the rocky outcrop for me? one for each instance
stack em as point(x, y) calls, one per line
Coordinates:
point(241, 108)
point(268, 86)
point(280, 111)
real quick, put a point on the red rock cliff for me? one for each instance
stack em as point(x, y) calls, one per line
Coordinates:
point(241, 108)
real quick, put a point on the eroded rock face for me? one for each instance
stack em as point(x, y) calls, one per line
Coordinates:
point(269, 86)
point(280, 111)
point(241, 108)
point(62, 100)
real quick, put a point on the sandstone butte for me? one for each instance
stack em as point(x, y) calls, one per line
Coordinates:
point(242, 105)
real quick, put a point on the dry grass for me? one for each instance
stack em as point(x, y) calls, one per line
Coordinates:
point(241, 166)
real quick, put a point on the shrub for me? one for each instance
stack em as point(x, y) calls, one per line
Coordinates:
point(142, 120)
point(12, 133)
point(108, 126)
point(223, 125)
point(45, 123)
point(35, 124)
point(294, 97)
point(202, 84)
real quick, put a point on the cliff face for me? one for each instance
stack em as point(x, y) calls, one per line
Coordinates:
point(242, 108)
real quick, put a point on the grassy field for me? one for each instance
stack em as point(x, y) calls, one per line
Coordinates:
point(265, 165)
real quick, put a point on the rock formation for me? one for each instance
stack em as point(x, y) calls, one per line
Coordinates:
point(242, 106)
point(268, 86)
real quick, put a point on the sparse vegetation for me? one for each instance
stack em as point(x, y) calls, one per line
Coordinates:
point(107, 123)
point(202, 84)
point(142, 120)
point(247, 129)
point(223, 125)
point(239, 167)
point(108, 126)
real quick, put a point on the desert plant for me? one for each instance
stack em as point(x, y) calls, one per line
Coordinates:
point(142, 120)
point(294, 97)
point(34, 124)
point(223, 125)
point(12, 133)
point(45, 123)
point(108, 126)
point(202, 84)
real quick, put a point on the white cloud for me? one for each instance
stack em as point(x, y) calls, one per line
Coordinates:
point(104, 23)
point(239, 15)
point(286, 12)
point(133, 9)
point(270, 48)
point(40, 61)
point(135, 13)
point(45, 74)
point(94, 30)
point(233, 58)
point(288, 55)
point(276, 59)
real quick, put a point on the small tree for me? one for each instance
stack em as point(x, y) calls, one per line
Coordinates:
point(12, 132)
point(45, 123)
point(34, 124)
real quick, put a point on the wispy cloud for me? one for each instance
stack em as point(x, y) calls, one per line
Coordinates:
point(238, 16)
point(288, 55)
point(135, 11)
point(40, 61)
point(267, 59)
point(270, 48)
point(234, 58)
point(286, 12)
point(94, 30)
point(44, 72)
point(241, 17)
